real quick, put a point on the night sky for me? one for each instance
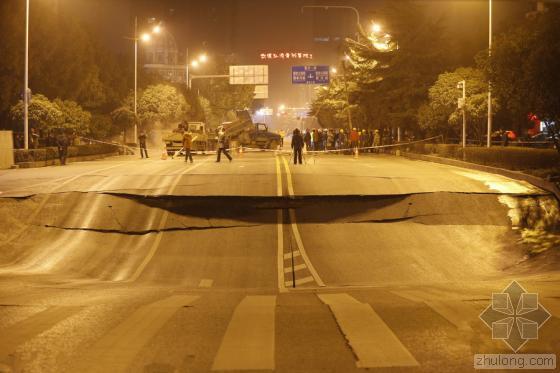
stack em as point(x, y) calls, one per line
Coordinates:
point(247, 28)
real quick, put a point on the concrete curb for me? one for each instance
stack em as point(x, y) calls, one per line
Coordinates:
point(55, 162)
point(549, 186)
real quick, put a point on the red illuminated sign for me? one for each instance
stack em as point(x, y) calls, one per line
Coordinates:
point(286, 56)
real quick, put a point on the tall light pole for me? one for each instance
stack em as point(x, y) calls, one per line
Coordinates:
point(135, 78)
point(489, 134)
point(463, 84)
point(327, 7)
point(26, 81)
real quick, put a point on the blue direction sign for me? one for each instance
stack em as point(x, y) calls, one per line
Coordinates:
point(310, 74)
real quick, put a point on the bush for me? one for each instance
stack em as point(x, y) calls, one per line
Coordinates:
point(512, 158)
point(47, 154)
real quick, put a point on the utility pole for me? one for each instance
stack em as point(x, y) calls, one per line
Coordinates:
point(489, 132)
point(26, 81)
point(349, 113)
point(135, 78)
point(463, 84)
point(187, 69)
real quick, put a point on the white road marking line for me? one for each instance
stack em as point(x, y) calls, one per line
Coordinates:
point(248, 343)
point(301, 281)
point(159, 235)
point(372, 341)
point(302, 251)
point(295, 230)
point(295, 254)
point(458, 312)
point(279, 230)
point(288, 178)
point(19, 333)
point(206, 283)
point(298, 267)
point(117, 349)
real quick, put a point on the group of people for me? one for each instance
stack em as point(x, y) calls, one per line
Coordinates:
point(338, 139)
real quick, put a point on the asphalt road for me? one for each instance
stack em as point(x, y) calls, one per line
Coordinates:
point(337, 265)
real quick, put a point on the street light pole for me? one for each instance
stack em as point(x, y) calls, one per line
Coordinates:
point(135, 78)
point(463, 83)
point(187, 70)
point(26, 81)
point(489, 132)
point(327, 7)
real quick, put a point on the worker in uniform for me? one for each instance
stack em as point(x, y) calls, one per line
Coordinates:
point(187, 144)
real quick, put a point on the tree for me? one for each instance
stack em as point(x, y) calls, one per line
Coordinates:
point(525, 70)
point(161, 103)
point(43, 114)
point(73, 116)
point(442, 115)
point(122, 118)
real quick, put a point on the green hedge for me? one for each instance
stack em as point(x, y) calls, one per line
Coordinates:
point(46, 154)
point(510, 157)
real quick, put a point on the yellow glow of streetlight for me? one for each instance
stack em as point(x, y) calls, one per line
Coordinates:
point(282, 107)
point(375, 27)
point(156, 29)
point(145, 37)
point(334, 70)
point(194, 63)
point(203, 58)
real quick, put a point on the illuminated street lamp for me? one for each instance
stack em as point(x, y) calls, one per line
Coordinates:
point(375, 27)
point(145, 37)
point(203, 58)
point(333, 70)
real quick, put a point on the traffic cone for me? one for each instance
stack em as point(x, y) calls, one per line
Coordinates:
point(356, 152)
point(240, 150)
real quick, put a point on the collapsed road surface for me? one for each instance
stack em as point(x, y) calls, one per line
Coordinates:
point(340, 264)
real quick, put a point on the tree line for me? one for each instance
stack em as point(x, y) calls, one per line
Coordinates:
point(408, 77)
point(80, 85)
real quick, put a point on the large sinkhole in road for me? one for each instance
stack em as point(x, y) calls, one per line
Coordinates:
point(350, 239)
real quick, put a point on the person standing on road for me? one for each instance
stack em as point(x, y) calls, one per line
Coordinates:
point(307, 140)
point(297, 145)
point(282, 135)
point(62, 144)
point(142, 142)
point(376, 140)
point(187, 144)
point(222, 146)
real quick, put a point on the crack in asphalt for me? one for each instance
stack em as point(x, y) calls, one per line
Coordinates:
point(150, 231)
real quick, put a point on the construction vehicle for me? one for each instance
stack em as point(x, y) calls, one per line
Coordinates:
point(201, 140)
point(247, 133)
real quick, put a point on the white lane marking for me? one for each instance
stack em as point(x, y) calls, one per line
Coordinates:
point(118, 349)
point(279, 230)
point(159, 235)
point(206, 283)
point(295, 230)
point(295, 254)
point(248, 343)
point(300, 281)
point(302, 251)
point(460, 313)
point(372, 341)
point(298, 267)
point(288, 178)
point(19, 333)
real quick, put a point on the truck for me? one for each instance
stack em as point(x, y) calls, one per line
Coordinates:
point(246, 133)
point(202, 140)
